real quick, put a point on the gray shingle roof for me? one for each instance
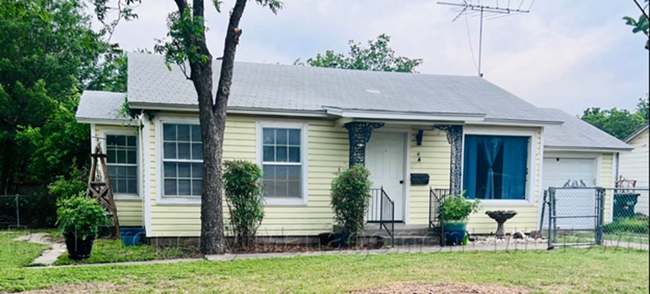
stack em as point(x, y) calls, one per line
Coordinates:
point(302, 88)
point(99, 105)
point(577, 134)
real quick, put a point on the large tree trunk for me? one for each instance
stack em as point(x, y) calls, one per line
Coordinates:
point(212, 116)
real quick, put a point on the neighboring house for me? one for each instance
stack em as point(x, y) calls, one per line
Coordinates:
point(633, 166)
point(304, 124)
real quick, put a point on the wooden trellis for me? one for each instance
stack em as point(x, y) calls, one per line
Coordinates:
point(99, 185)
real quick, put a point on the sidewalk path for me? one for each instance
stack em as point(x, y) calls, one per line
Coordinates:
point(49, 256)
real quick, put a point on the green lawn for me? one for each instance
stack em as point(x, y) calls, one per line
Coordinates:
point(17, 254)
point(105, 251)
point(623, 238)
point(598, 270)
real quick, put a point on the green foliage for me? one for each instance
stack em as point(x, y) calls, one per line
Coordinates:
point(634, 225)
point(48, 53)
point(69, 186)
point(639, 25)
point(242, 181)
point(82, 216)
point(378, 56)
point(457, 208)
point(619, 123)
point(351, 198)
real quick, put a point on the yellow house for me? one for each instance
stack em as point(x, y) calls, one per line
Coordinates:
point(416, 133)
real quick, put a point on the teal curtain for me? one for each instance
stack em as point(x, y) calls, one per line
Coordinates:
point(515, 167)
point(491, 146)
point(470, 166)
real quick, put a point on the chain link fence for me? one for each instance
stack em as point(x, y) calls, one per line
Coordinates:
point(584, 216)
point(27, 211)
point(626, 216)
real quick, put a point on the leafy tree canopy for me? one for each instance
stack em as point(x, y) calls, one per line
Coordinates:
point(619, 123)
point(48, 54)
point(378, 56)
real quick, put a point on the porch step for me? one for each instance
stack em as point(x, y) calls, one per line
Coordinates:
point(406, 235)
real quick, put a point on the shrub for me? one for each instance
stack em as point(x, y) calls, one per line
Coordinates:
point(351, 197)
point(242, 181)
point(72, 185)
point(82, 216)
point(633, 225)
point(456, 208)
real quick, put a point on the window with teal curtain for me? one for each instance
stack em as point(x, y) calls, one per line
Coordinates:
point(495, 167)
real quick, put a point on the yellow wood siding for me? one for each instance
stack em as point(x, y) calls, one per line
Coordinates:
point(606, 181)
point(129, 212)
point(434, 159)
point(327, 154)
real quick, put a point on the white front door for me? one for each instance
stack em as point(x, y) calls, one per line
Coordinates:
point(385, 161)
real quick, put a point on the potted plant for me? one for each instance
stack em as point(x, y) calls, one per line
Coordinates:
point(80, 219)
point(454, 212)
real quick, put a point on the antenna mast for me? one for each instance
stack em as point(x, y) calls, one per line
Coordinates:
point(492, 12)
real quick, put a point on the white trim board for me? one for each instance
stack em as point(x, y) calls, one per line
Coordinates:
point(304, 150)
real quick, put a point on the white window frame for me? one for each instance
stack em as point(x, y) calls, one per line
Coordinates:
point(112, 132)
point(304, 149)
point(532, 164)
point(160, 177)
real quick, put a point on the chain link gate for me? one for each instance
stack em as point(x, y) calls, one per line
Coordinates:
point(585, 216)
point(576, 216)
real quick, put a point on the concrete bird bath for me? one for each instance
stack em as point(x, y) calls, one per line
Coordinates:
point(501, 216)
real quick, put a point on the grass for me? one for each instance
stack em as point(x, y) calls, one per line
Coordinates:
point(623, 238)
point(17, 254)
point(596, 270)
point(109, 250)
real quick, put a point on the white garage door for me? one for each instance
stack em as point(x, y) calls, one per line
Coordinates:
point(558, 171)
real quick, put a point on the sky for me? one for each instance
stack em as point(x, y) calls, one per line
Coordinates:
point(564, 54)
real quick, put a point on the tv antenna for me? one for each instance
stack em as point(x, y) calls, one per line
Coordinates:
point(492, 12)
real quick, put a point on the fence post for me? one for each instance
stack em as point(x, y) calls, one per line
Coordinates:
point(17, 212)
point(601, 194)
point(551, 214)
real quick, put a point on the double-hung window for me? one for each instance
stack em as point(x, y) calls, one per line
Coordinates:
point(122, 164)
point(283, 159)
point(495, 167)
point(182, 160)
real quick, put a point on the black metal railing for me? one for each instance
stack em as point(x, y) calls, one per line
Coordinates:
point(436, 220)
point(382, 211)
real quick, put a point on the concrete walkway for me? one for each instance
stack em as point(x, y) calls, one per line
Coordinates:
point(49, 256)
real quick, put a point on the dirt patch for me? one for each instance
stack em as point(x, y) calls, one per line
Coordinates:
point(442, 288)
point(85, 288)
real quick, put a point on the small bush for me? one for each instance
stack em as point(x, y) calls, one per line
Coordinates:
point(242, 181)
point(69, 186)
point(82, 216)
point(351, 198)
point(457, 209)
point(628, 225)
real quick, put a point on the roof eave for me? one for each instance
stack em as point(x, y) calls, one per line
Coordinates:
point(586, 149)
point(102, 121)
point(636, 133)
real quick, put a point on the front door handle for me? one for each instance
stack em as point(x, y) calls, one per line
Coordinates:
point(401, 182)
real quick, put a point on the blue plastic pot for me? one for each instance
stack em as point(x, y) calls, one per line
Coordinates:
point(455, 233)
point(131, 236)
